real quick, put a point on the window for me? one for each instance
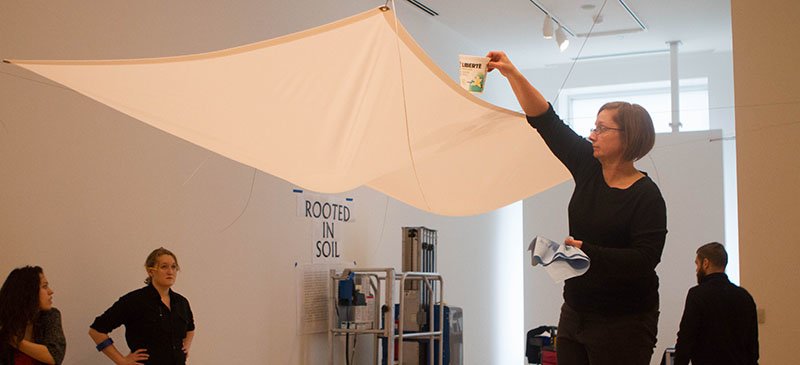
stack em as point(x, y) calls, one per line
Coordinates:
point(579, 106)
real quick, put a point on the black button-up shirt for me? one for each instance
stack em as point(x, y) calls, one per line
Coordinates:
point(150, 325)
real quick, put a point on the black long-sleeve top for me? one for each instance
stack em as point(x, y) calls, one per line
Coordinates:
point(719, 325)
point(623, 230)
point(151, 325)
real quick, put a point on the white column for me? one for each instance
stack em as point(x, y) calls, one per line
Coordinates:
point(674, 85)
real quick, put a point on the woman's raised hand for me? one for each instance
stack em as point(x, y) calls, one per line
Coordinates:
point(500, 61)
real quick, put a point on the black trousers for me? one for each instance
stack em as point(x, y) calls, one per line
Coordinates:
point(593, 339)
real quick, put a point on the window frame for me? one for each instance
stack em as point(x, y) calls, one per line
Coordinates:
point(626, 91)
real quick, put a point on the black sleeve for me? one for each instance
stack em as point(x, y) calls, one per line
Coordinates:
point(190, 324)
point(113, 317)
point(570, 148)
point(753, 323)
point(50, 333)
point(689, 329)
point(648, 234)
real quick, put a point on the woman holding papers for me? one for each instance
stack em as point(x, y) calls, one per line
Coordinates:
point(617, 216)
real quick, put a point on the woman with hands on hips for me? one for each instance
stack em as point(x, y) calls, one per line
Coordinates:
point(159, 325)
point(617, 216)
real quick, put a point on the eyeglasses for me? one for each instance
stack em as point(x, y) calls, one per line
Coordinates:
point(166, 267)
point(600, 129)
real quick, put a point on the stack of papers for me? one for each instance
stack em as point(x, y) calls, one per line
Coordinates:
point(559, 260)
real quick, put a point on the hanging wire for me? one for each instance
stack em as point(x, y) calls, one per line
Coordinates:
point(249, 196)
point(34, 80)
point(580, 51)
point(252, 183)
point(383, 227)
point(196, 170)
point(405, 107)
point(575, 61)
point(723, 138)
point(716, 108)
point(658, 176)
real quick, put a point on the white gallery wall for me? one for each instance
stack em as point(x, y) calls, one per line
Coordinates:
point(768, 103)
point(87, 192)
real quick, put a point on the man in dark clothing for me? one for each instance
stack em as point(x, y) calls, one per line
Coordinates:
point(719, 324)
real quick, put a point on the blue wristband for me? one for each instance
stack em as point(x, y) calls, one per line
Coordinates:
point(102, 345)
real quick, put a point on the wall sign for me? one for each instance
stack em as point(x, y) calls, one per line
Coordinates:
point(327, 214)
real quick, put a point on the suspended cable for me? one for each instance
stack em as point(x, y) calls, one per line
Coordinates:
point(383, 227)
point(405, 106)
point(36, 81)
point(580, 50)
point(247, 204)
point(196, 170)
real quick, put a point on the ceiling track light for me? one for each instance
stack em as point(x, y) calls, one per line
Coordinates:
point(549, 23)
point(561, 39)
point(552, 17)
point(547, 29)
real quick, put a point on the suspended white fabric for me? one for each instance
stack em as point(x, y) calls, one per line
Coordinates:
point(342, 105)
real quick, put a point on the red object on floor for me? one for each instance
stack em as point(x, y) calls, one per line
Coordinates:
point(549, 357)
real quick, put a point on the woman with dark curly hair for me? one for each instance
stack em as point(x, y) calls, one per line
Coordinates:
point(30, 328)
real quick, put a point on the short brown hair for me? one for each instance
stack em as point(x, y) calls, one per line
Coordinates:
point(715, 253)
point(637, 127)
point(152, 258)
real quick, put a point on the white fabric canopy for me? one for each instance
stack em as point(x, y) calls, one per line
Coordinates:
point(355, 102)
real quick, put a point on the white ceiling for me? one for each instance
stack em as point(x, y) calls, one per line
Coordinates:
point(516, 26)
point(36, 29)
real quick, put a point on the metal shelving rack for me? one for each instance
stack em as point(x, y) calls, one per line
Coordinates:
point(392, 330)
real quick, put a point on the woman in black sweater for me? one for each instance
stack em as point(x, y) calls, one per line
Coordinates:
point(617, 216)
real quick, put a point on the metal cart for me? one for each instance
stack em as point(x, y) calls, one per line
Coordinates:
point(384, 324)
